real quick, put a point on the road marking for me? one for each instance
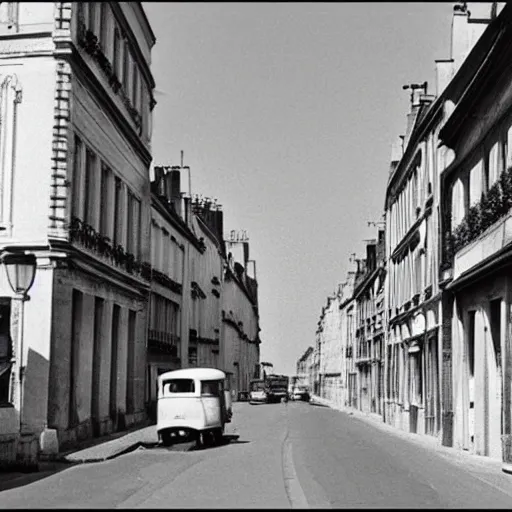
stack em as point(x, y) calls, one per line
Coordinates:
point(292, 486)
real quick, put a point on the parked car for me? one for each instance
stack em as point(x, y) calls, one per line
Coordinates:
point(301, 393)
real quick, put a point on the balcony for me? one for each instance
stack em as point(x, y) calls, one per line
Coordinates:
point(88, 238)
point(488, 243)
point(165, 342)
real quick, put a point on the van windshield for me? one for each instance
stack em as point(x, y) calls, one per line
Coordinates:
point(179, 386)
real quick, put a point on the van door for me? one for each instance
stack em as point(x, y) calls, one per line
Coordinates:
point(210, 398)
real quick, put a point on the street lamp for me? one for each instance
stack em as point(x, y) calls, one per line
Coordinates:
point(21, 272)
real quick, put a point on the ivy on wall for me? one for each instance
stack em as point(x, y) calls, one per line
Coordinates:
point(491, 208)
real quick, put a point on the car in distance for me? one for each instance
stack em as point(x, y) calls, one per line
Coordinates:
point(301, 393)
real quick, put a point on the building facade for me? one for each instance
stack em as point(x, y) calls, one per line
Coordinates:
point(330, 372)
point(240, 315)
point(477, 192)
point(172, 240)
point(78, 92)
point(369, 299)
point(304, 368)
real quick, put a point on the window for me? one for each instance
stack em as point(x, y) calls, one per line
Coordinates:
point(129, 225)
point(508, 153)
point(106, 175)
point(10, 96)
point(5, 351)
point(74, 355)
point(457, 203)
point(104, 17)
point(179, 386)
point(77, 178)
point(91, 22)
point(210, 388)
point(130, 368)
point(471, 343)
point(494, 167)
point(126, 69)
point(117, 54)
point(89, 185)
point(476, 184)
point(116, 324)
point(495, 321)
point(117, 210)
point(192, 355)
point(135, 91)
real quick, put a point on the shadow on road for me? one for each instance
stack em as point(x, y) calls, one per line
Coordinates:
point(317, 404)
point(46, 469)
point(226, 439)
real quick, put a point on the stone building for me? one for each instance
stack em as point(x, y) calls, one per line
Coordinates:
point(304, 368)
point(240, 315)
point(477, 258)
point(368, 295)
point(416, 369)
point(331, 361)
point(76, 117)
point(205, 271)
point(172, 240)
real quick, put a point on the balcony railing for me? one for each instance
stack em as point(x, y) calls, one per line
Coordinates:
point(88, 237)
point(162, 341)
point(496, 203)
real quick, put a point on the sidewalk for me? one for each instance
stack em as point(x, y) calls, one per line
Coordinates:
point(92, 450)
point(106, 449)
point(460, 457)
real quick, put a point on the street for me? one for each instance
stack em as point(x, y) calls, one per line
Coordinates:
point(293, 455)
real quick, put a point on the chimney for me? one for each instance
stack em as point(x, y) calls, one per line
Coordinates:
point(468, 24)
point(159, 185)
point(444, 74)
point(175, 192)
point(168, 185)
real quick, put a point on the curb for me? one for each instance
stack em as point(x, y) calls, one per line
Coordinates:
point(123, 451)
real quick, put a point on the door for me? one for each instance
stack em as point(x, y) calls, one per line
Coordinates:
point(211, 399)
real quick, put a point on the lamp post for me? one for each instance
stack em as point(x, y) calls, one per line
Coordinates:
point(21, 271)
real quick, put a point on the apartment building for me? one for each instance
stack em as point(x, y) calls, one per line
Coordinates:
point(477, 197)
point(368, 295)
point(77, 100)
point(416, 369)
point(172, 240)
point(240, 314)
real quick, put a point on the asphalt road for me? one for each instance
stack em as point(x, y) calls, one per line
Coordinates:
point(291, 455)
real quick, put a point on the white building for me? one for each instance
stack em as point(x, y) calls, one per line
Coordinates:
point(477, 186)
point(240, 314)
point(76, 118)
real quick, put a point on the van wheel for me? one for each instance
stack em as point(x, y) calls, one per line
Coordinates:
point(167, 439)
point(218, 435)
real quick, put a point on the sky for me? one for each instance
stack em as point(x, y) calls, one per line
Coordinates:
point(286, 113)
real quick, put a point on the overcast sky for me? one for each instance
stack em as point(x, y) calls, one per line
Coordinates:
point(286, 113)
